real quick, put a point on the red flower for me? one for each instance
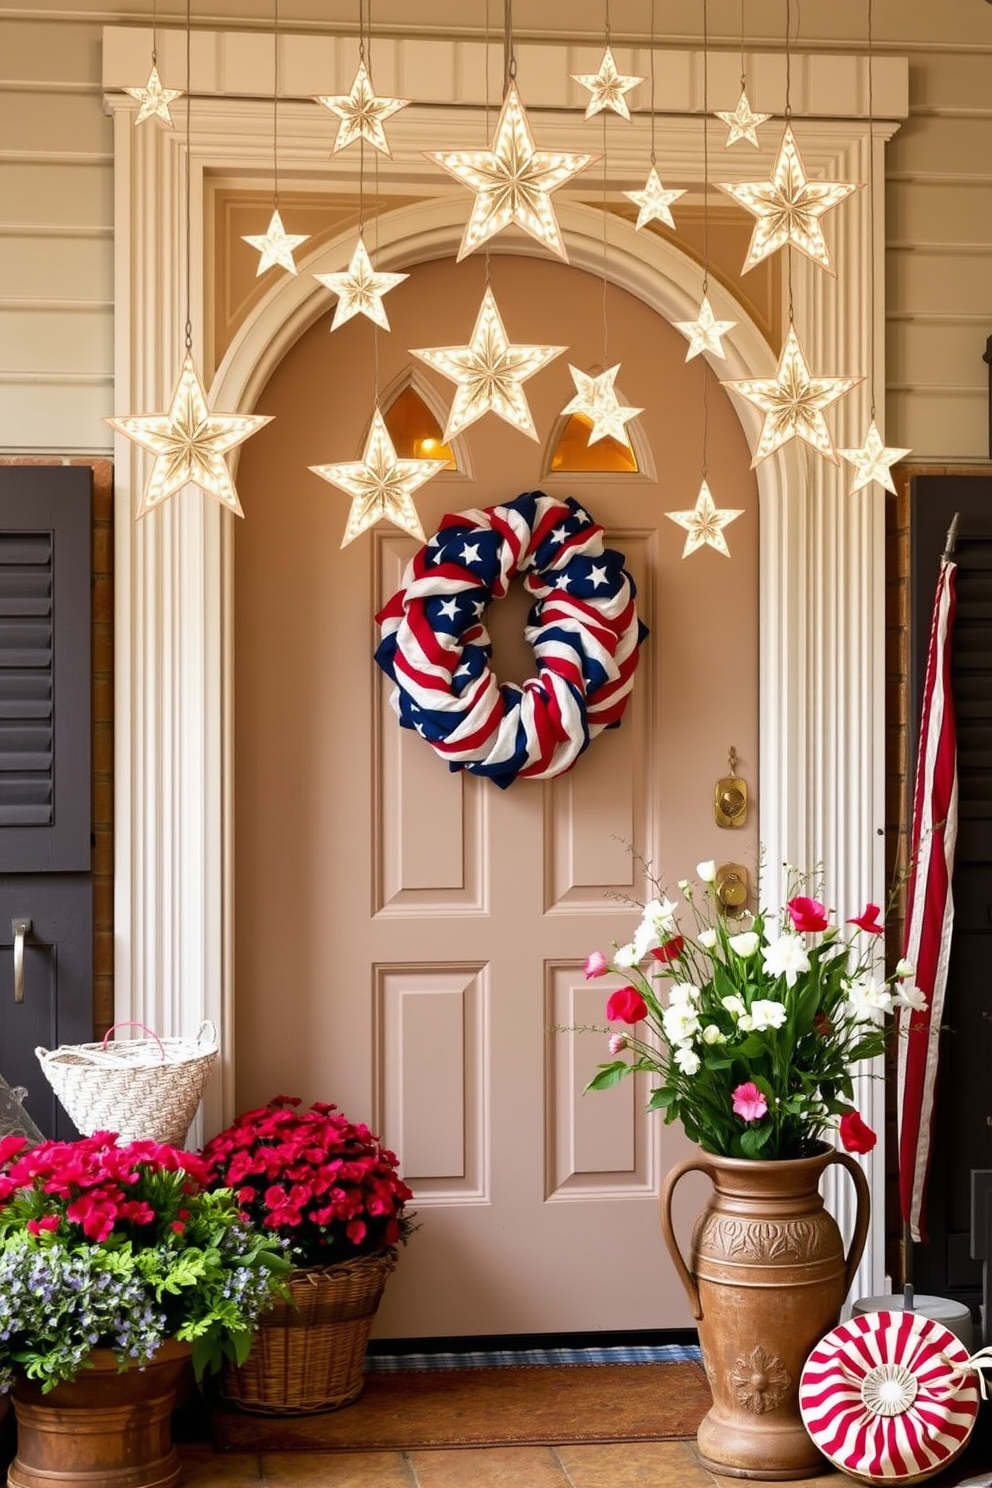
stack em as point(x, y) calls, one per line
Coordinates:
point(868, 920)
point(626, 1006)
point(807, 914)
point(822, 1025)
point(856, 1135)
point(48, 1222)
point(671, 950)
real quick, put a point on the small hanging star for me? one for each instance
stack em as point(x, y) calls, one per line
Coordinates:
point(489, 372)
point(276, 246)
point(512, 181)
point(154, 99)
point(705, 333)
point(607, 87)
point(189, 443)
point(742, 123)
point(596, 399)
point(793, 402)
point(380, 485)
point(362, 114)
point(871, 462)
point(705, 523)
point(360, 289)
point(654, 201)
point(788, 207)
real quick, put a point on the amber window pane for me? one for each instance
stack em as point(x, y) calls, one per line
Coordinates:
point(574, 452)
point(415, 432)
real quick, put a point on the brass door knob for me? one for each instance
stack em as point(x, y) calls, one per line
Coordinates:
point(732, 888)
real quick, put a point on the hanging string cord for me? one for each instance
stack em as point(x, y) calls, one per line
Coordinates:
point(743, 61)
point(606, 334)
point(154, 33)
point(871, 214)
point(607, 23)
point(507, 48)
point(275, 105)
point(189, 110)
point(509, 56)
point(706, 226)
point(363, 25)
point(788, 119)
point(365, 36)
point(654, 158)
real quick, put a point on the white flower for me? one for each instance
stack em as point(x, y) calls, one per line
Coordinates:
point(687, 1059)
point(744, 944)
point(706, 871)
point(786, 957)
point(680, 1022)
point(684, 993)
point(645, 938)
point(735, 1006)
point(684, 886)
point(712, 1035)
point(910, 997)
point(626, 955)
point(866, 997)
point(707, 939)
point(905, 969)
point(661, 914)
point(766, 1013)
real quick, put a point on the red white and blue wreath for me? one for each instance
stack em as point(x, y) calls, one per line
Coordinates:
point(583, 630)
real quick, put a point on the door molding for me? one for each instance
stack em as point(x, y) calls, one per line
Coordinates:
point(821, 779)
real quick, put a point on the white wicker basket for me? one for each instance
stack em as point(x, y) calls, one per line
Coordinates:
point(142, 1088)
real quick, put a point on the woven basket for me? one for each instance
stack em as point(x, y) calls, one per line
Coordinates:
point(142, 1089)
point(311, 1356)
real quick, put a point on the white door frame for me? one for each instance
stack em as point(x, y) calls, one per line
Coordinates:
point(821, 786)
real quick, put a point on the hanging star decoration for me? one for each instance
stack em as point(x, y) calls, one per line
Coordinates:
point(489, 373)
point(742, 123)
point(362, 113)
point(793, 402)
point(654, 201)
point(607, 87)
point(512, 181)
point(872, 461)
point(189, 443)
point(360, 289)
point(154, 99)
point(275, 246)
point(596, 399)
point(380, 485)
point(704, 523)
point(705, 333)
point(788, 207)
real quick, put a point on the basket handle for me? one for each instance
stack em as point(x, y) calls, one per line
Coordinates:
point(132, 1023)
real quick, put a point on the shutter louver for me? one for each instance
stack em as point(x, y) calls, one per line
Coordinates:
point(26, 679)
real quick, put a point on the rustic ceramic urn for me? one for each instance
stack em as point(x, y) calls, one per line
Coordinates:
point(766, 1277)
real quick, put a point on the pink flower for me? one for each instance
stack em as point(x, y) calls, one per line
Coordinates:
point(856, 1134)
point(626, 1006)
point(807, 914)
point(618, 1041)
point(596, 965)
point(868, 920)
point(749, 1103)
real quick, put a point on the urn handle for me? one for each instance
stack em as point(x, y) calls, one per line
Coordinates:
point(689, 1165)
point(862, 1217)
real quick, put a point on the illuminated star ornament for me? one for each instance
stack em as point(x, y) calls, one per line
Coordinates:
point(705, 333)
point(189, 443)
point(362, 114)
point(788, 207)
point(742, 123)
point(596, 399)
point(793, 402)
point(607, 87)
point(276, 246)
point(872, 461)
point(360, 289)
point(512, 181)
point(654, 201)
point(380, 485)
point(154, 99)
point(489, 372)
point(705, 523)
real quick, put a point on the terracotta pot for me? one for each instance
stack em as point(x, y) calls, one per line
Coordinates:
point(104, 1429)
point(766, 1279)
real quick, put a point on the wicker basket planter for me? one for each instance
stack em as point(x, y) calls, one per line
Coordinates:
point(309, 1354)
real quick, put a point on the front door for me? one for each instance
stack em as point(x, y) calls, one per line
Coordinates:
point(408, 938)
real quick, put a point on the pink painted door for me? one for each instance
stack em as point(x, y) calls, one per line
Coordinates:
point(408, 938)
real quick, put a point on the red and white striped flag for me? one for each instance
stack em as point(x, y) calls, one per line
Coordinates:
point(930, 907)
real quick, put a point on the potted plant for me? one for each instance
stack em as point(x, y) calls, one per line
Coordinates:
point(333, 1195)
point(118, 1264)
point(750, 1032)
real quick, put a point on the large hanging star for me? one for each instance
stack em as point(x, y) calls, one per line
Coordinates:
point(276, 245)
point(360, 289)
point(742, 123)
point(489, 373)
point(512, 181)
point(654, 201)
point(788, 207)
point(189, 443)
point(154, 99)
point(871, 462)
point(596, 398)
point(705, 333)
point(793, 402)
point(705, 523)
point(607, 87)
point(380, 485)
point(362, 114)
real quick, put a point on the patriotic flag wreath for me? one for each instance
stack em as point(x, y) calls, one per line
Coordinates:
point(583, 629)
point(890, 1397)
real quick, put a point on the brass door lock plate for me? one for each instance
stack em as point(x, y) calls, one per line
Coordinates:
point(730, 797)
point(732, 889)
